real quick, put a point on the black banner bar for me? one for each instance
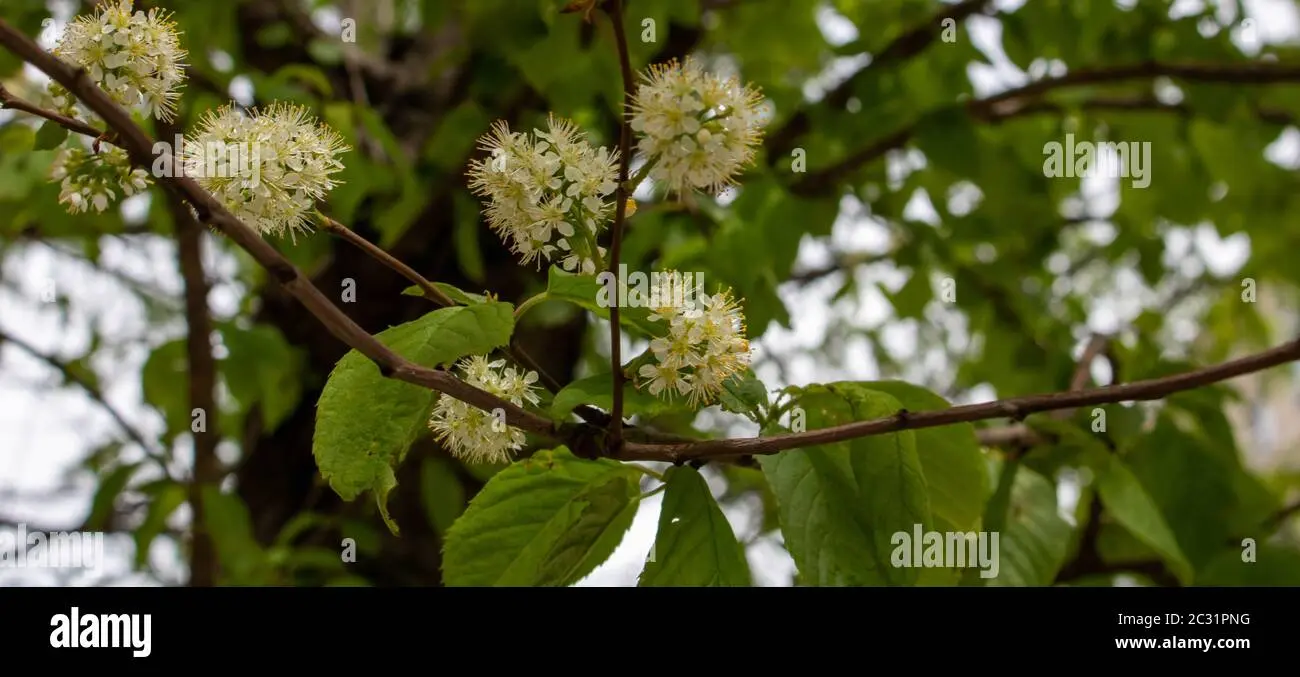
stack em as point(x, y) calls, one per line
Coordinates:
point(238, 626)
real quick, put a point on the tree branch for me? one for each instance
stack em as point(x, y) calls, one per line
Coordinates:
point(1017, 408)
point(1016, 102)
point(140, 148)
point(615, 10)
point(94, 393)
point(203, 381)
point(583, 438)
point(431, 291)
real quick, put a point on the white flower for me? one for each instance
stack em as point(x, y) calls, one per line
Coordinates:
point(472, 434)
point(548, 193)
point(136, 58)
point(267, 167)
point(92, 180)
point(699, 129)
point(704, 346)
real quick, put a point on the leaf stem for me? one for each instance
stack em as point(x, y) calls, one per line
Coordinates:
point(649, 473)
point(373, 250)
point(528, 304)
point(652, 492)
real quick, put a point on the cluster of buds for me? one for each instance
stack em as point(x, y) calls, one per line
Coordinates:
point(267, 167)
point(90, 180)
point(478, 436)
point(548, 192)
point(705, 345)
point(700, 130)
point(135, 57)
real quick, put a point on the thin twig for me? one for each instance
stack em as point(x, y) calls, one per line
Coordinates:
point(1016, 408)
point(583, 438)
point(140, 148)
point(95, 394)
point(202, 384)
point(9, 100)
point(615, 10)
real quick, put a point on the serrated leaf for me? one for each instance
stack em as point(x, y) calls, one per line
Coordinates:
point(954, 467)
point(547, 520)
point(366, 422)
point(840, 502)
point(1128, 502)
point(50, 136)
point(743, 394)
point(695, 545)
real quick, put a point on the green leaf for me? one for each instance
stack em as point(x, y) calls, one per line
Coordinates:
point(820, 517)
point(366, 422)
point(242, 558)
point(954, 467)
point(695, 545)
point(453, 293)
point(547, 520)
point(598, 391)
point(948, 138)
point(864, 491)
point(167, 497)
point(1131, 506)
point(586, 292)
point(1034, 540)
point(50, 136)
point(444, 494)
point(744, 394)
point(110, 487)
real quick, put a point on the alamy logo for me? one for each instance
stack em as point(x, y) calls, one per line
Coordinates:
point(947, 550)
point(21, 548)
point(1109, 159)
point(102, 631)
point(669, 289)
point(211, 160)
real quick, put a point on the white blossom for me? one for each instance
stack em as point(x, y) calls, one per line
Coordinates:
point(475, 435)
point(548, 193)
point(90, 180)
point(699, 129)
point(267, 167)
point(136, 58)
point(704, 346)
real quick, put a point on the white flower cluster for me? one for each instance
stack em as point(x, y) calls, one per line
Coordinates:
point(136, 58)
point(472, 434)
point(90, 180)
point(547, 192)
point(705, 346)
point(267, 167)
point(699, 129)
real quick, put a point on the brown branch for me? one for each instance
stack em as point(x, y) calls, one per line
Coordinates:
point(95, 394)
point(1016, 408)
point(514, 352)
point(583, 439)
point(202, 385)
point(9, 100)
point(140, 148)
point(1016, 102)
point(615, 10)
